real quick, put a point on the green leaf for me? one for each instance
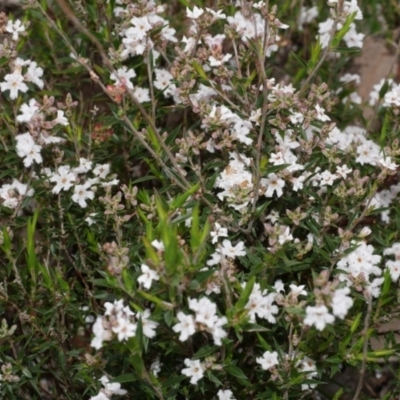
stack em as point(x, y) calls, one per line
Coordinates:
point(244, 296)
point(236, 372)
point(180, 200)
point(125, 378)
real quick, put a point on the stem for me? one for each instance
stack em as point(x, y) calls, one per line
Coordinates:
point(365, 349)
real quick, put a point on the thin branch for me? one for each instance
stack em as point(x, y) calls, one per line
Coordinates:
point(365, 349)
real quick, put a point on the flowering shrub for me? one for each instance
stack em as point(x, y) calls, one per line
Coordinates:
point(193, 205)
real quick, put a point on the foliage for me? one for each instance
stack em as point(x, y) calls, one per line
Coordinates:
point(192, 202)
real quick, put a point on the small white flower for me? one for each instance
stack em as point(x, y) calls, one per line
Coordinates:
point(101, 170)
point(230, 251)
point(194, 370)
point(268, 360)
point(148, 326)
point(321, 116)
point(81, 194)
point(148, 276)
point(341, 302)
point(14, 82)
point(196, 13)
point(28, 111)
point(15, 28)
point(60, 119)
point(123, 76)
point(33, 74)
point(273, 184)
point(158, 244)
point(225, 395)
point(318, 316)
point(186, 326)
point(64, 179)
point(84, 166)
point(297, 290)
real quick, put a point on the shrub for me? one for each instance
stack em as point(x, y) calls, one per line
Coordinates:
point(193, 205)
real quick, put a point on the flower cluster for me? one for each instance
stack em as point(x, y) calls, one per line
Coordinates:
point(205, 319)
point(120, 321)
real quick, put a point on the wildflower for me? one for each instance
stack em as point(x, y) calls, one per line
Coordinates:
point(225, 395)
point(318, 316)
point(60, 119)
point(28, 111)
point(142, 95)
point(196, 13)
point(218, 232)
point(33, 74)
point(101, 170)
point(268, 360)
point(273, 184)
point(123, 76)
point(15, 28)
point(148, 326)
point(84, 166)
point(341, 303)
point(194, 370)
point(14, 82)
point(64, 179)
point(230, 251)
point(186, 326)
point(81, 194)
point(148, 276)
point(28, 149)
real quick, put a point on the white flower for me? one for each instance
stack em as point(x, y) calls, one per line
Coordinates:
point(148, 276)
point(225, 395)
point(33, 74)
point(321, 116)
point(15, 28)
point(218, 232)
point(326, 178)
point(64, 179)
point(155, 367)
point(205, 311)
point(341, 303)
point(28, 111)
point(13, 193)
point(89, 220)
point(230, 251)
point(318, 316)
point(14, 82)
point(394, 269)
point(60, 119)
point(123, 76)
point(158, 244)
point(163, 79)
point(195, 370)
point(273, 184)
point(196, 13)
point(84, 166)
point(142, 95)
point(343, 171)
point(124, 329)
point(141, 25)
point(268, 360)
point(111, 388)
point(260, 304)
point(297, 290)
point(28, 149)
point(81, 194)
point(186, 326)
point(100, 396)
point(149, 326)
point(101, 334)
point(279, 286)
point(101, 170)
